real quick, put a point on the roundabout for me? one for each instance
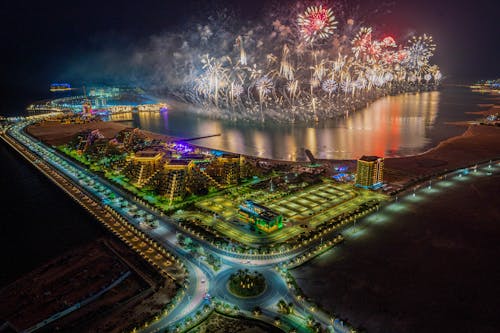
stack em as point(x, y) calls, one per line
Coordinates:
point(244, 283)
point(273, 290)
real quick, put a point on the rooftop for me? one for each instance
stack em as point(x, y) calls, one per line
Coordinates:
point(228, 155)
point(369, 158)
point(178, 162)
point(195, 156)
point(147, 153)
point(263, 212)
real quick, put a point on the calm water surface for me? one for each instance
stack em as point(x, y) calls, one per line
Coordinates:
point(39, 221)
point(392, 126)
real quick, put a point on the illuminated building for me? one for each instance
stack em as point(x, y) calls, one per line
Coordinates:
point(171, 180)
point(152, 107)
point(104, 92)
point(143, 165)
point(86, 107)
point(199, 181)
point(84, 140)
point(262, 217)
point(225, 169)
point(370, 171)
point(245, 169)
point(130, 138)
point(99, 147)
point(175, 176)
point(121, 108)
point(55, 87)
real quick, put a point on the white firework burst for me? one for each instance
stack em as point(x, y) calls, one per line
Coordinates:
point(419, 51)
point(360, 83)
point(236, 89)
point(329, 86)
point(346, 86)
point(264, 85)
point(292, 87)
point(438, 76)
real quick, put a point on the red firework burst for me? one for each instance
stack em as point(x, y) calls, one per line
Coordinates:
point(316, 22)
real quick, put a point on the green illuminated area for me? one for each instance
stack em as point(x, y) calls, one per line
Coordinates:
point(262, 217)
point(304, 210)
point(206, 192)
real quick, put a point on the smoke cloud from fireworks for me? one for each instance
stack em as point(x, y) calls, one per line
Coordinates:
point(302, 63)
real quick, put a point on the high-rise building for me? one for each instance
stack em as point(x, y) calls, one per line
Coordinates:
point(175, 179)
point(225, 169)
point(171, 180)
point(131, 138)
point(143, 165)
point(230, 168)
point(370, 171)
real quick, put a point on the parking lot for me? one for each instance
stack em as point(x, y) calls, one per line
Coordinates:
point(302, 210)
point(316, 199)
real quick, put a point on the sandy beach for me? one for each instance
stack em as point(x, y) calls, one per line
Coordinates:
point(56, 134)
point(477, 144)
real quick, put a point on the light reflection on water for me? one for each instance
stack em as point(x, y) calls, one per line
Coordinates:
point(392, 126)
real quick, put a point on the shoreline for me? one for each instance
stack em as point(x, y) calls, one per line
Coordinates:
point(452, 239)
point(476, 144)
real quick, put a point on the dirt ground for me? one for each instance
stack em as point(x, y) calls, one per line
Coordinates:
point(56, 134)
point(217, 323)
point(78, 274)
point(61, 283)
point(477, 144)
point(430, 267)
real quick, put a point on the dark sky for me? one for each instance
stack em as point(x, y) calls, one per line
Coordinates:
point(39, 38)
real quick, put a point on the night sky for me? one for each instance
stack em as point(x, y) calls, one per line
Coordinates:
point(41, 39)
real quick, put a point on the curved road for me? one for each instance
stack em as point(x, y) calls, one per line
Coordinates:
point(201, 278)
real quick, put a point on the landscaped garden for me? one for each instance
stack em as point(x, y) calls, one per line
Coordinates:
point(244, 283)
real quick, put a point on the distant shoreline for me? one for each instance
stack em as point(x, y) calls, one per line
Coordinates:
point(477, 144)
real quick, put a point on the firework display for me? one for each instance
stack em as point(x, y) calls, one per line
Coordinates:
point(307, 66)
point(316, 22)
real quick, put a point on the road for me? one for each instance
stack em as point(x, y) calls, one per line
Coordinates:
point(122, 214)
point(116, 205)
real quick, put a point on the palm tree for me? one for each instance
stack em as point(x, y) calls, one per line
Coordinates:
point(257, 310)
point(290, 307)
point(281, 305)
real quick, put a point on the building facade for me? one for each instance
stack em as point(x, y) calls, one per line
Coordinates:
point(370, 171)
point(141, 166)
point(262, 217)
